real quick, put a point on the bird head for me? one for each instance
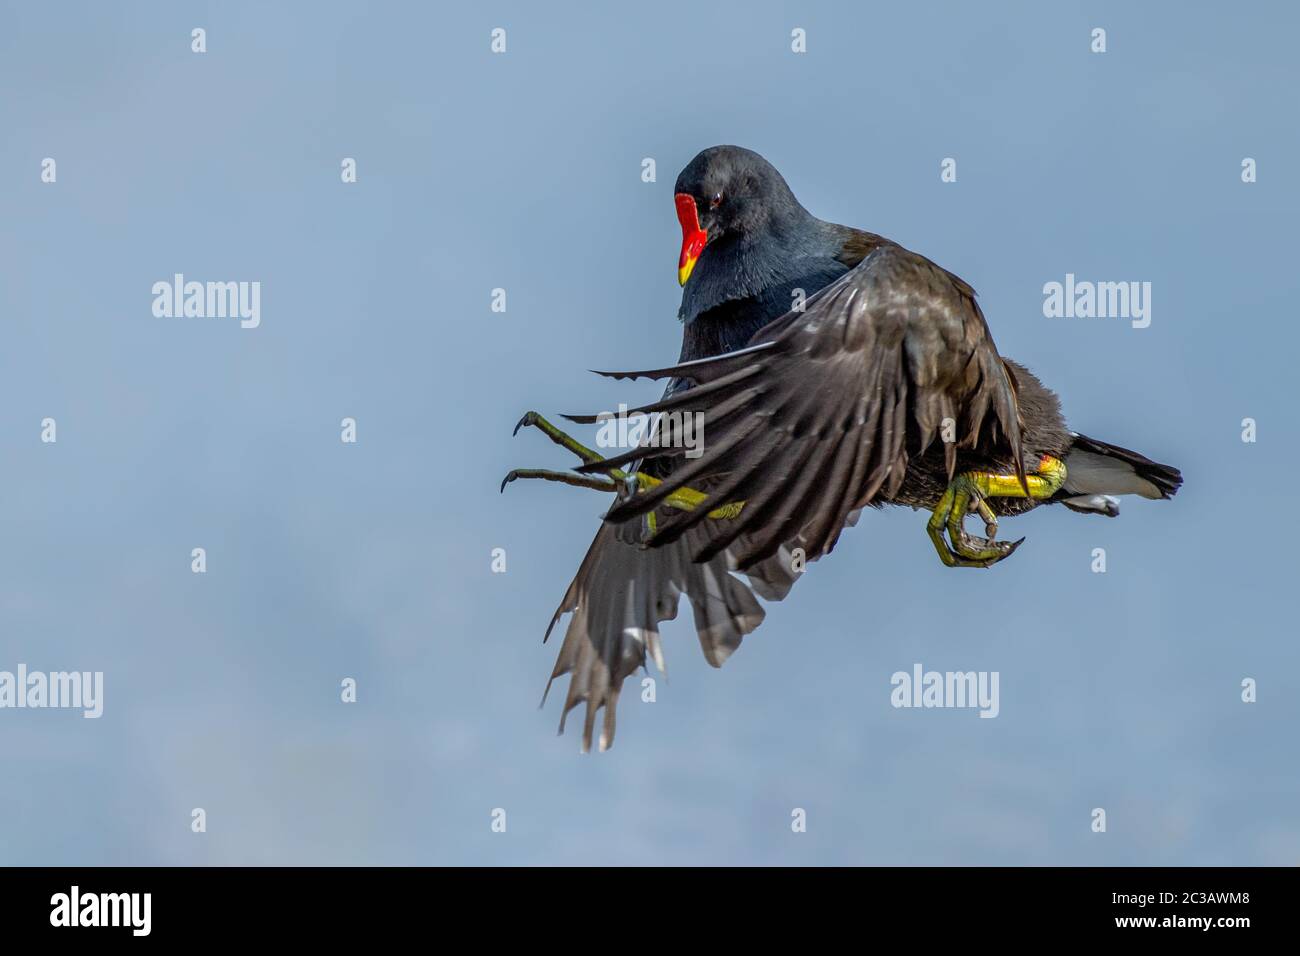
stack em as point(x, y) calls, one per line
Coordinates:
point(726, 195)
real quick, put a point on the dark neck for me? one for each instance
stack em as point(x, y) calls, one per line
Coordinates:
point(738, 287)
point(741, 267)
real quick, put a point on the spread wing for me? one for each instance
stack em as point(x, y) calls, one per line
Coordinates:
point(623, 591)
point(819, 415)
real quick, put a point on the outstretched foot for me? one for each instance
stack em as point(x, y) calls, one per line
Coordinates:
point(560, 438)
point(565, 477)
point(615, 479)
point(969, 492)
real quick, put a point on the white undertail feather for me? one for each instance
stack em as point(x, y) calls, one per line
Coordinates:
point(1102, 504)
point(1090, 474)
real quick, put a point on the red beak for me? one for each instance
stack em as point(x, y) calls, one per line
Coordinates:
point(693, 237)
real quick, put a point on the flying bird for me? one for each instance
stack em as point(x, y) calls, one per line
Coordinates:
point(831, 370)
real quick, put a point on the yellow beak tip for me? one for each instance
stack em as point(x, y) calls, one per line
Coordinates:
point(684, 272)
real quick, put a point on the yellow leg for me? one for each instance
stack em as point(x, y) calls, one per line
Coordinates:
point(1043, 483)
point(970, 491)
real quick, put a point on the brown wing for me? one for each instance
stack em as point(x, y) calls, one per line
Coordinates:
point(623, 592)
point(819, 415)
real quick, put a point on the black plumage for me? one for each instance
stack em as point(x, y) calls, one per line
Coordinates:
point(819, 415)
point(810, 415)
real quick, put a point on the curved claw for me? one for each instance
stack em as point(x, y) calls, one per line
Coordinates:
point(984, 551)
point(960, 549)
point(598, 482)
point(534, 420)
point(987, 557)
point(530, 418)
point(990, 552)
point(977, 543)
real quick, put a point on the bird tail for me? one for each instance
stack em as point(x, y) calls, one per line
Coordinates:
point(1098, 472)
point(623, 591)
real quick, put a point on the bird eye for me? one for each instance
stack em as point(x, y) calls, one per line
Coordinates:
point(716, 201)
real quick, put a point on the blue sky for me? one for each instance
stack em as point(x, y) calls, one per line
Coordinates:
point(372, 560)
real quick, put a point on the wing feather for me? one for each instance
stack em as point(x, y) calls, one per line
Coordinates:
point(821, 414)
